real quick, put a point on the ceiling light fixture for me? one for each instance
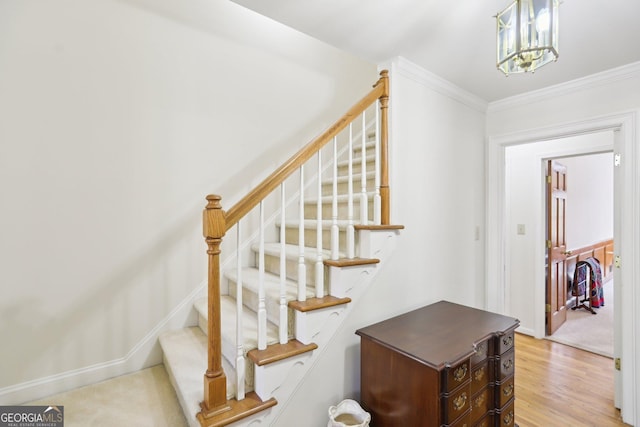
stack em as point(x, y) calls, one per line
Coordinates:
point(527, 35)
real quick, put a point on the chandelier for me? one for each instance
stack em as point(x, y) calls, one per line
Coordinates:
point(527, 35)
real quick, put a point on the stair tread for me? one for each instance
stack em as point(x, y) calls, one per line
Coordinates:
point(326, 223)
point(344, 178)
point(356, 159)
point(228, 320)
point(185, 353)
point(250, 281)
point(341, 197)
point(278, 352)
point(312, 304)
point(292, 251)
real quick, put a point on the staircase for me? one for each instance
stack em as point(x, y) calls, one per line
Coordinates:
point(279, 295)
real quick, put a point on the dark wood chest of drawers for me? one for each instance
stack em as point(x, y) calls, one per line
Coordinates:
point(441, 365)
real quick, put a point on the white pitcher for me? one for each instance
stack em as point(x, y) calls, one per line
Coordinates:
point(348, 413)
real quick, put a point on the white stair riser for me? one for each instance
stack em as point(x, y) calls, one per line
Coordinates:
point(343, 186)
point(250, 301)
point(310, 238)
point(311, 209)
point(357, 148)
point(343, 168)
point(272, 265)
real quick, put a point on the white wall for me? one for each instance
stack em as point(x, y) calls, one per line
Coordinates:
point(116, 119)
point(589, 211)
point(437, 191)
point(590, 199)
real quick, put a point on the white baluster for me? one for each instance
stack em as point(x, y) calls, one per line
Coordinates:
point(262, 308)
point(302, 269)
point(240, 362)
point(283, 332)
point(319, 260)
point(335, 231)
point(350, 228)
point(377, 199)
point(364, 202)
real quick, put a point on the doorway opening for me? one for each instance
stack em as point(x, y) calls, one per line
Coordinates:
point(580, 300)
point(513, 296)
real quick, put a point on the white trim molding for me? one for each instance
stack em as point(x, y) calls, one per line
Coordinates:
point(438, 84)
point(626, 235)
point(605, 77)
point(144, 354)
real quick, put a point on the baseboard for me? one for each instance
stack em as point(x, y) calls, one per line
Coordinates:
point(526, 331)
point(144, 354)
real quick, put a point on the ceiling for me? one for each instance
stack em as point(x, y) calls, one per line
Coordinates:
point(456, 39)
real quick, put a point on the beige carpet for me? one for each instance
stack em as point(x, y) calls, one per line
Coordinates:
point(591, 332)
point(144, 398)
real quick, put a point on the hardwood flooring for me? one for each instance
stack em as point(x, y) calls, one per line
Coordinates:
point(558, 385)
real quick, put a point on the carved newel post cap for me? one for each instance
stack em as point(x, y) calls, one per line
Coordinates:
point(213, 218)
point(214, 201)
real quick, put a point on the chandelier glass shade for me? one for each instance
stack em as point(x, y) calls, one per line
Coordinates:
point(527, 35)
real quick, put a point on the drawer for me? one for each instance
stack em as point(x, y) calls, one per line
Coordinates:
point(480, 404)
point(504, 392)
point(463, 421)
point(480, 376)
point(455, 376)
point(487, 421)
point(505, 365)
point(455, 404)
point(482, 352)
point(506, 416)
point(505, 342)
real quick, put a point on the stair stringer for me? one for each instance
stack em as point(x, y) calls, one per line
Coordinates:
point(382, 242)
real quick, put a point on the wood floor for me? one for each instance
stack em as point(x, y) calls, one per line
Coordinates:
point(558, 385)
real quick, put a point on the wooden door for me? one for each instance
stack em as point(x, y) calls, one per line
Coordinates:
point(556, 294)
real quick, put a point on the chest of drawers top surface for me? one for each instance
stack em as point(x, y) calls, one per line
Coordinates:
point(438, 334)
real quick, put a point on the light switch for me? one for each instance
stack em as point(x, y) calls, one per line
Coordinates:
point(521, 229)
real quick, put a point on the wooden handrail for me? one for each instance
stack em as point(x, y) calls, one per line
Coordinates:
point(380, 91)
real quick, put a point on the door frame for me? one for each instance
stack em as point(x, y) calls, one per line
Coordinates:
point(626, 236)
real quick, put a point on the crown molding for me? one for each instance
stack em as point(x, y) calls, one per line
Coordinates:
point(594, 80)
point(438, 84)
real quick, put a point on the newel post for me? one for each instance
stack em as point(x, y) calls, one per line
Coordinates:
point(215, 381)
point(384, 149)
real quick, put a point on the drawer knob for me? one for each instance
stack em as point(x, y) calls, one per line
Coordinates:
point(508, 419)
point(481, 349)
point(460, 401)
point(508, 390)
point(479, 374)
point(460, 373)
point(508, 340)
point(479, 401)
point(507, 364)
